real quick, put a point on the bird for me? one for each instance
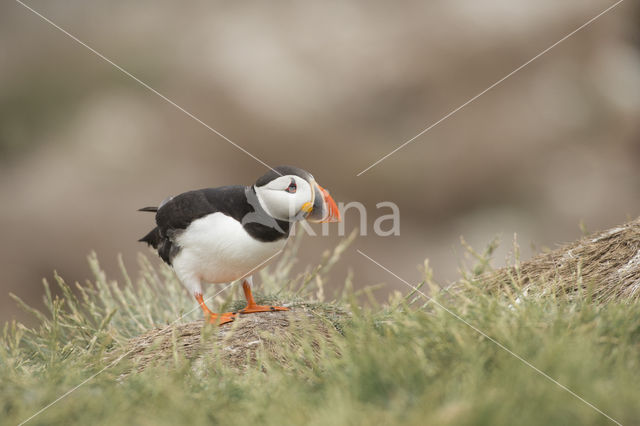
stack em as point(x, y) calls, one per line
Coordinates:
point(224, 234)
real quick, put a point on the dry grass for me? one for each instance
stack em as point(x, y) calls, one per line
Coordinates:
point(236, 344)
point(606, 265)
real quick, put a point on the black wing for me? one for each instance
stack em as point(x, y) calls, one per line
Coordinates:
point(177, 213)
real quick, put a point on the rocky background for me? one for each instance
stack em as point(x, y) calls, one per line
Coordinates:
point(330, 87)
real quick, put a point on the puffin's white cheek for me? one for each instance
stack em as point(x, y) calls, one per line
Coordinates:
point(283, 206)
point(288, 206)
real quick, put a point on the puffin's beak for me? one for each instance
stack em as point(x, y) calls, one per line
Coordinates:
point(324, 208)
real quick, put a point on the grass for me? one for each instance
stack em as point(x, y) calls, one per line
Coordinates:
point(402, 362)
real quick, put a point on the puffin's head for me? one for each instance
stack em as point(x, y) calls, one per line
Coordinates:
point(292, 194)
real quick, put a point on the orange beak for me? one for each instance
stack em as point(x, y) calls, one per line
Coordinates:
point(333, 213)
point(324, 208)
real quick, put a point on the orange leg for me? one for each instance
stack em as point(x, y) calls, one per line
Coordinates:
point(252, 306)
point(213, 317)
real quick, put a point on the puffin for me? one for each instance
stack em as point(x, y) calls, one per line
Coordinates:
point(224, 234)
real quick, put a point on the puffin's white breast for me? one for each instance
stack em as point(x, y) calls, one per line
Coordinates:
point(217, 249)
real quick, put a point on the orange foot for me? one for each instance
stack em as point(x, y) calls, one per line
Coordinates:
point(252, 306)
point(223, 318)
point(250, 309)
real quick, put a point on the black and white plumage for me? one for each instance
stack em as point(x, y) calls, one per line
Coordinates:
point(219, 235)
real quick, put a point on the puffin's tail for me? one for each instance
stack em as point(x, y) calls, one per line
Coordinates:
point(148, 209)
point(152, 238)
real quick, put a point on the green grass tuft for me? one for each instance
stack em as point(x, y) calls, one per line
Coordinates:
point(405, 362)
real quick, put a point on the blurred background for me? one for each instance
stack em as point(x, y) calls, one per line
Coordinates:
point(327, 86)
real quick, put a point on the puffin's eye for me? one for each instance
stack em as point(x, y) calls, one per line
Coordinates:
point(292, 188)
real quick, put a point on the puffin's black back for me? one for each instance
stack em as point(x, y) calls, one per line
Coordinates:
point(239, 202)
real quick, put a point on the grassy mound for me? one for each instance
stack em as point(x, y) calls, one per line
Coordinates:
point(330, 361)
point(236, 344)
point(606, 265)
